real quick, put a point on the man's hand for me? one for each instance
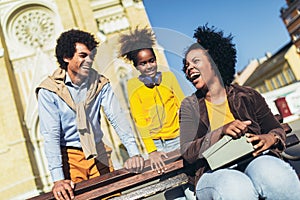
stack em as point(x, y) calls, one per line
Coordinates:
point(63, 190)
point(236, 128)
point(134, 164)
point(157, 162)
point(261, 142)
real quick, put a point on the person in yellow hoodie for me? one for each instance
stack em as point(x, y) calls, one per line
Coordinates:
point(154, 97)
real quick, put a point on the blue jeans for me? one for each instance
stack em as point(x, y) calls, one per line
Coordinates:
point(167, 145)
point(265, 177)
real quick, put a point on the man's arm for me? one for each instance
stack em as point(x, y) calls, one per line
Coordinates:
point(50, 129)
point(118, 120)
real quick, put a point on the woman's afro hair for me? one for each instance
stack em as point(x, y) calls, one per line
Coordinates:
point(220, 48)
point(135, 41)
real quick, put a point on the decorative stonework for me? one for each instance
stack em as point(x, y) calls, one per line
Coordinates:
point(111, 16)
point(33, 27)
point(113, 24)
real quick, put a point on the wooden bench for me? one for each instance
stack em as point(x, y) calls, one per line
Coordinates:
point(291, 139)
point(136, 186)
point(122, 180)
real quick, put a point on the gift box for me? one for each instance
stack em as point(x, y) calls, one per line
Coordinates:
point(227, 152)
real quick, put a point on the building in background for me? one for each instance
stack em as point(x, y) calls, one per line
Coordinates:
point(277, 76)
point(28, 32)
point(290, 15)
point(272, 71)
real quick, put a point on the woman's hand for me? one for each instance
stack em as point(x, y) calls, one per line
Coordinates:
point(156, 161)
point(261, 142)
point(236, 128)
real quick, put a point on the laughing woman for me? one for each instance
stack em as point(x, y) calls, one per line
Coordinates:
point(219, 108)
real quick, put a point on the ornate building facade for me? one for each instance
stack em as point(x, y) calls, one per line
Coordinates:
point(28, 32)
point(290, 15)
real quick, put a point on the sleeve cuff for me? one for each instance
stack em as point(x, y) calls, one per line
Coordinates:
point(133, 150)
point(279, 144)
point(57, 174)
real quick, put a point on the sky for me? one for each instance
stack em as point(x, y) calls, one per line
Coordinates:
point(256, 25)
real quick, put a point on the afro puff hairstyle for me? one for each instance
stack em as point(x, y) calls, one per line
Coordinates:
point(66, 44)
point(135, 41)
point(220, 48)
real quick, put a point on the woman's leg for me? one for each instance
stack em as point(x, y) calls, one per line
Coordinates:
point(225, 184)
point(273, 178)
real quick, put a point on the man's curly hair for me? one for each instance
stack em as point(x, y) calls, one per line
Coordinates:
point(220, 48)
point(135, 41)
point(66, 44)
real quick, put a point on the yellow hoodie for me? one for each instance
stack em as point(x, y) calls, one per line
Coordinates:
point(156, 110)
